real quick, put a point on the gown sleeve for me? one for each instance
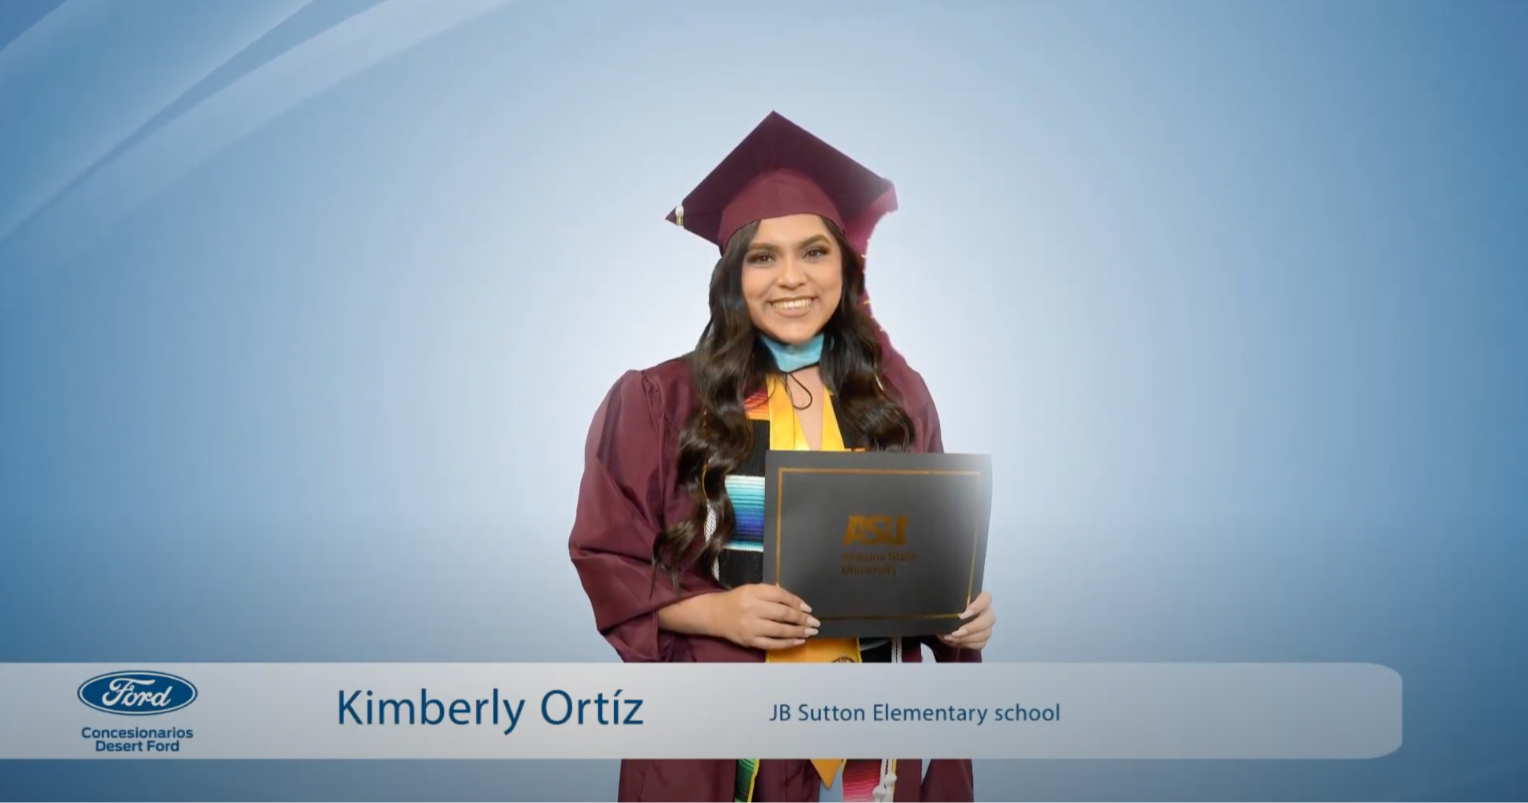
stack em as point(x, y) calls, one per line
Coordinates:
point(626, 481)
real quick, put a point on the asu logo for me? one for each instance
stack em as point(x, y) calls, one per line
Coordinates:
point(876, 530)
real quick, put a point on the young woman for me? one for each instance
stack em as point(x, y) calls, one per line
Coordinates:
point(667, 539)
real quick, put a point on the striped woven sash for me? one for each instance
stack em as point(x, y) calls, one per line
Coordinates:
point(776, 427)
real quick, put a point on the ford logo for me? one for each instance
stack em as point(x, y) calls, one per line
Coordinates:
point(137, 694)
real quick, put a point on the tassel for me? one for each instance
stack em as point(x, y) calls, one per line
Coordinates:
point(883, 791)
point(716, 563)
point(888, 785)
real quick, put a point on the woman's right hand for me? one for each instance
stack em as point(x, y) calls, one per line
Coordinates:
point(763, 617)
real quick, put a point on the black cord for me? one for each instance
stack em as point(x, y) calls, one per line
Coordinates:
point(804, 389)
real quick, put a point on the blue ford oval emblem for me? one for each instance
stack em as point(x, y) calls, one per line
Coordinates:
point(137, 694)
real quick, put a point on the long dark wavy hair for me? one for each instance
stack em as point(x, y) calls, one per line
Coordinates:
point(730, 361)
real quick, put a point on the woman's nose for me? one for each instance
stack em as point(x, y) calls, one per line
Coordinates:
point(792, 273)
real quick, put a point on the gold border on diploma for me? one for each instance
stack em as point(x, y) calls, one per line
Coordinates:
point(976, 534)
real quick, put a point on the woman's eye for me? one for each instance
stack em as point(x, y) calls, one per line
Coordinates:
point(759, 259)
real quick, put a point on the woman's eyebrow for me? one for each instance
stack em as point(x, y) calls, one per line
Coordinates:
point(812, 240)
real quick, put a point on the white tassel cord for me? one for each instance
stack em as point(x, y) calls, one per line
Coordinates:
point(716, 562)
point(888, 785)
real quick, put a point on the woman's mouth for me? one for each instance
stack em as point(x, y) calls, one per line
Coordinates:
point(792, 307)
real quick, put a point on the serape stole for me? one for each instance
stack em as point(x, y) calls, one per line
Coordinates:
point(775, 426)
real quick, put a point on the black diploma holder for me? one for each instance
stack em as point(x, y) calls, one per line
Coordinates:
point(880, 544)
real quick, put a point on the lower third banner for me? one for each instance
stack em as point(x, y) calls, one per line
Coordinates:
point(604, 711)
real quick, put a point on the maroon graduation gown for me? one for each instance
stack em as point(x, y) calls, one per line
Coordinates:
point(628, 495)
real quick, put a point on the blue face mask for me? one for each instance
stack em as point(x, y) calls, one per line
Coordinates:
point(794, 358)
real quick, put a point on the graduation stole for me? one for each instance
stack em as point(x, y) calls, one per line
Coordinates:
point(776, 427)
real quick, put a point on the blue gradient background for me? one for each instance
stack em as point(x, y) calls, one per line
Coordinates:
point(305, 308)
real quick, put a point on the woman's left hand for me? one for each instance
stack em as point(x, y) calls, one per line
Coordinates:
point(974, 633)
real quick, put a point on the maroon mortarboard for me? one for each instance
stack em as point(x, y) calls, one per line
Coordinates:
point(781, 169)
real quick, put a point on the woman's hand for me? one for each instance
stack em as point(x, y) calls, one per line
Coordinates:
point(764, 617)
point(973, 635)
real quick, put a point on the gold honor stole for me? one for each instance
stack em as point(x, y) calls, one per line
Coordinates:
point(785, 434)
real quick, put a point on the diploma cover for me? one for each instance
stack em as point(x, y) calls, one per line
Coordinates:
point(880, 544)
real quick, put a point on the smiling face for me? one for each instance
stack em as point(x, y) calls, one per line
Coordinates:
point(792, 277)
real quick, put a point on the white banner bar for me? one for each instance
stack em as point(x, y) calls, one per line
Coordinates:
point(605, 711)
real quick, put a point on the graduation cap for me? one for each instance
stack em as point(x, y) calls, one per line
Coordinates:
point(781, 169)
